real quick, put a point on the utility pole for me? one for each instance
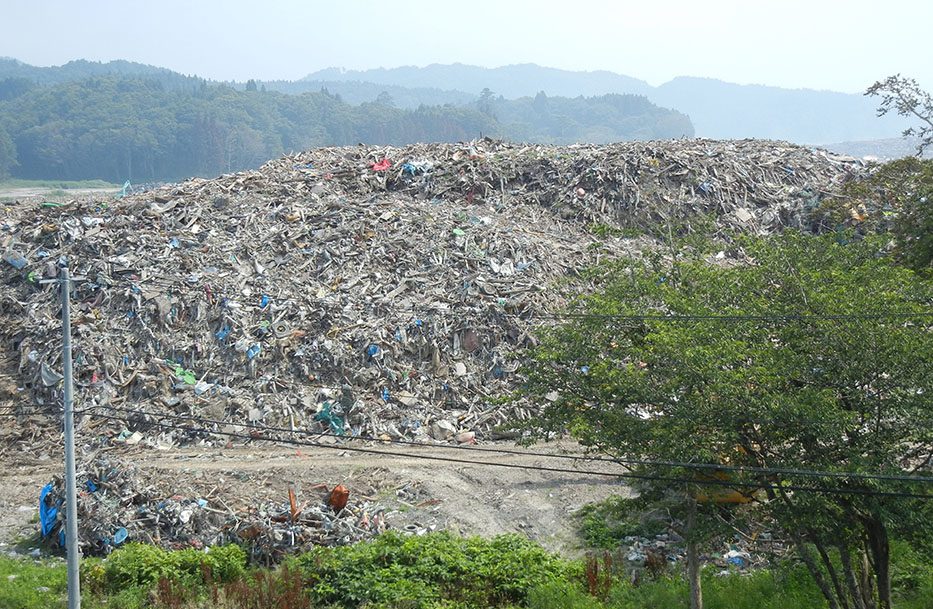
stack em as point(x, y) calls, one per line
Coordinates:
point(71, 492)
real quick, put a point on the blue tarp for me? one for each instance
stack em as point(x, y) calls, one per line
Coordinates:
point(48, 515)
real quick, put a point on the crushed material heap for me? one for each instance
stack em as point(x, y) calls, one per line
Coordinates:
point(118, 503)
point(364, 290)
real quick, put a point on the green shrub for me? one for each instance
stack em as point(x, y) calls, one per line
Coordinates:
point(606, 523)
point(139, 564)
point(227, 562)
point(911, 573)
point(783, 589)
point(430, 570)
point(561, 595)
point(136, 564)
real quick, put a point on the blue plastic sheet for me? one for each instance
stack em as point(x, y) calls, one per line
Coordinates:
point(48, 514)
point(119, 536)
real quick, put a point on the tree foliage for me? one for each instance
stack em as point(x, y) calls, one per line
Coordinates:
point(7, 154)
point(895, 199)
point(143, 129)
point(905, 97)
point(779, 382)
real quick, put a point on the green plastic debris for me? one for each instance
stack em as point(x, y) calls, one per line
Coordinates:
point(32, 277)
point(185, 375)
point(325, 415)
point(459, 232)
point(50, 204)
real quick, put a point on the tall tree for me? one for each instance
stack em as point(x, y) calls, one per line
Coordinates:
point(799, 353)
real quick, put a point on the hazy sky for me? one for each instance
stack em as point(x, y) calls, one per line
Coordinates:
point(842, 45)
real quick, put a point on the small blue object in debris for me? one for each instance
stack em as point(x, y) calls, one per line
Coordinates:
point(223, 333)
point(91, 486)
point(264, 301)
point(48, 514)
point(119, 536)
point(398, 334)
point(372, 350)
point(497, 371)
point(419, 323)
point(706, 187)
point(585, 369)
point(385, 394)
point(174, 243)
point(253, 351)
point(15, 259)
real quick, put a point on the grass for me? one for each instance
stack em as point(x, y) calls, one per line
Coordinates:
point(28, 584)
point(409, 572)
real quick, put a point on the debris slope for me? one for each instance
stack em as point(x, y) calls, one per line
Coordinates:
point(359, 291)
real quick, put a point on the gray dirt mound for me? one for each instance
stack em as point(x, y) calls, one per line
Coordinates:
point(357, 290)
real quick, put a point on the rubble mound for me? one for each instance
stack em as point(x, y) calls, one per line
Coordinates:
point(363, 290)
point(119, 503)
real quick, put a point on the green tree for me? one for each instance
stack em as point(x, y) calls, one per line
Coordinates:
point(7, 154)
point(485, 102)
point(385, 99)
point(762, 365)
point(905, 97)
point(896, 199)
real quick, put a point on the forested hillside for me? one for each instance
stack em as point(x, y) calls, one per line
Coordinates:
point(117, 127)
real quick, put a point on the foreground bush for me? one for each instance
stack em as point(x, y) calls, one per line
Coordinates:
point(138, 564)
point(429, 570)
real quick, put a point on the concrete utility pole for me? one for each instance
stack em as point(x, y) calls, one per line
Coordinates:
point(71, 492)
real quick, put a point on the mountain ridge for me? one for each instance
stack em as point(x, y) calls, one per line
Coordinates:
point(717, 109)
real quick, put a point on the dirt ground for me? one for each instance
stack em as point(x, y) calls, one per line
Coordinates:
point(418, 494)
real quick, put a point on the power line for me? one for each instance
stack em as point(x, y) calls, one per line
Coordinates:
point(626, 475)
point(728, 484)
point(620, 461)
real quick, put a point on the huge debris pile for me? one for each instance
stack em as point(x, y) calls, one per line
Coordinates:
point(374, 291)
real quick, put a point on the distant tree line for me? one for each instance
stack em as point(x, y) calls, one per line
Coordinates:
point(118, 127)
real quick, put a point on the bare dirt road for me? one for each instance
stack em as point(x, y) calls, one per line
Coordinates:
point(418, 494)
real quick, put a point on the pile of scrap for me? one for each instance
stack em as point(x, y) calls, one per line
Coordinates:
point(117, 503)
point(384, 292)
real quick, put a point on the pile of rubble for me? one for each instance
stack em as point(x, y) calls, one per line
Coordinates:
point(361, 291)
point(740, 553)
point(118, 503)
